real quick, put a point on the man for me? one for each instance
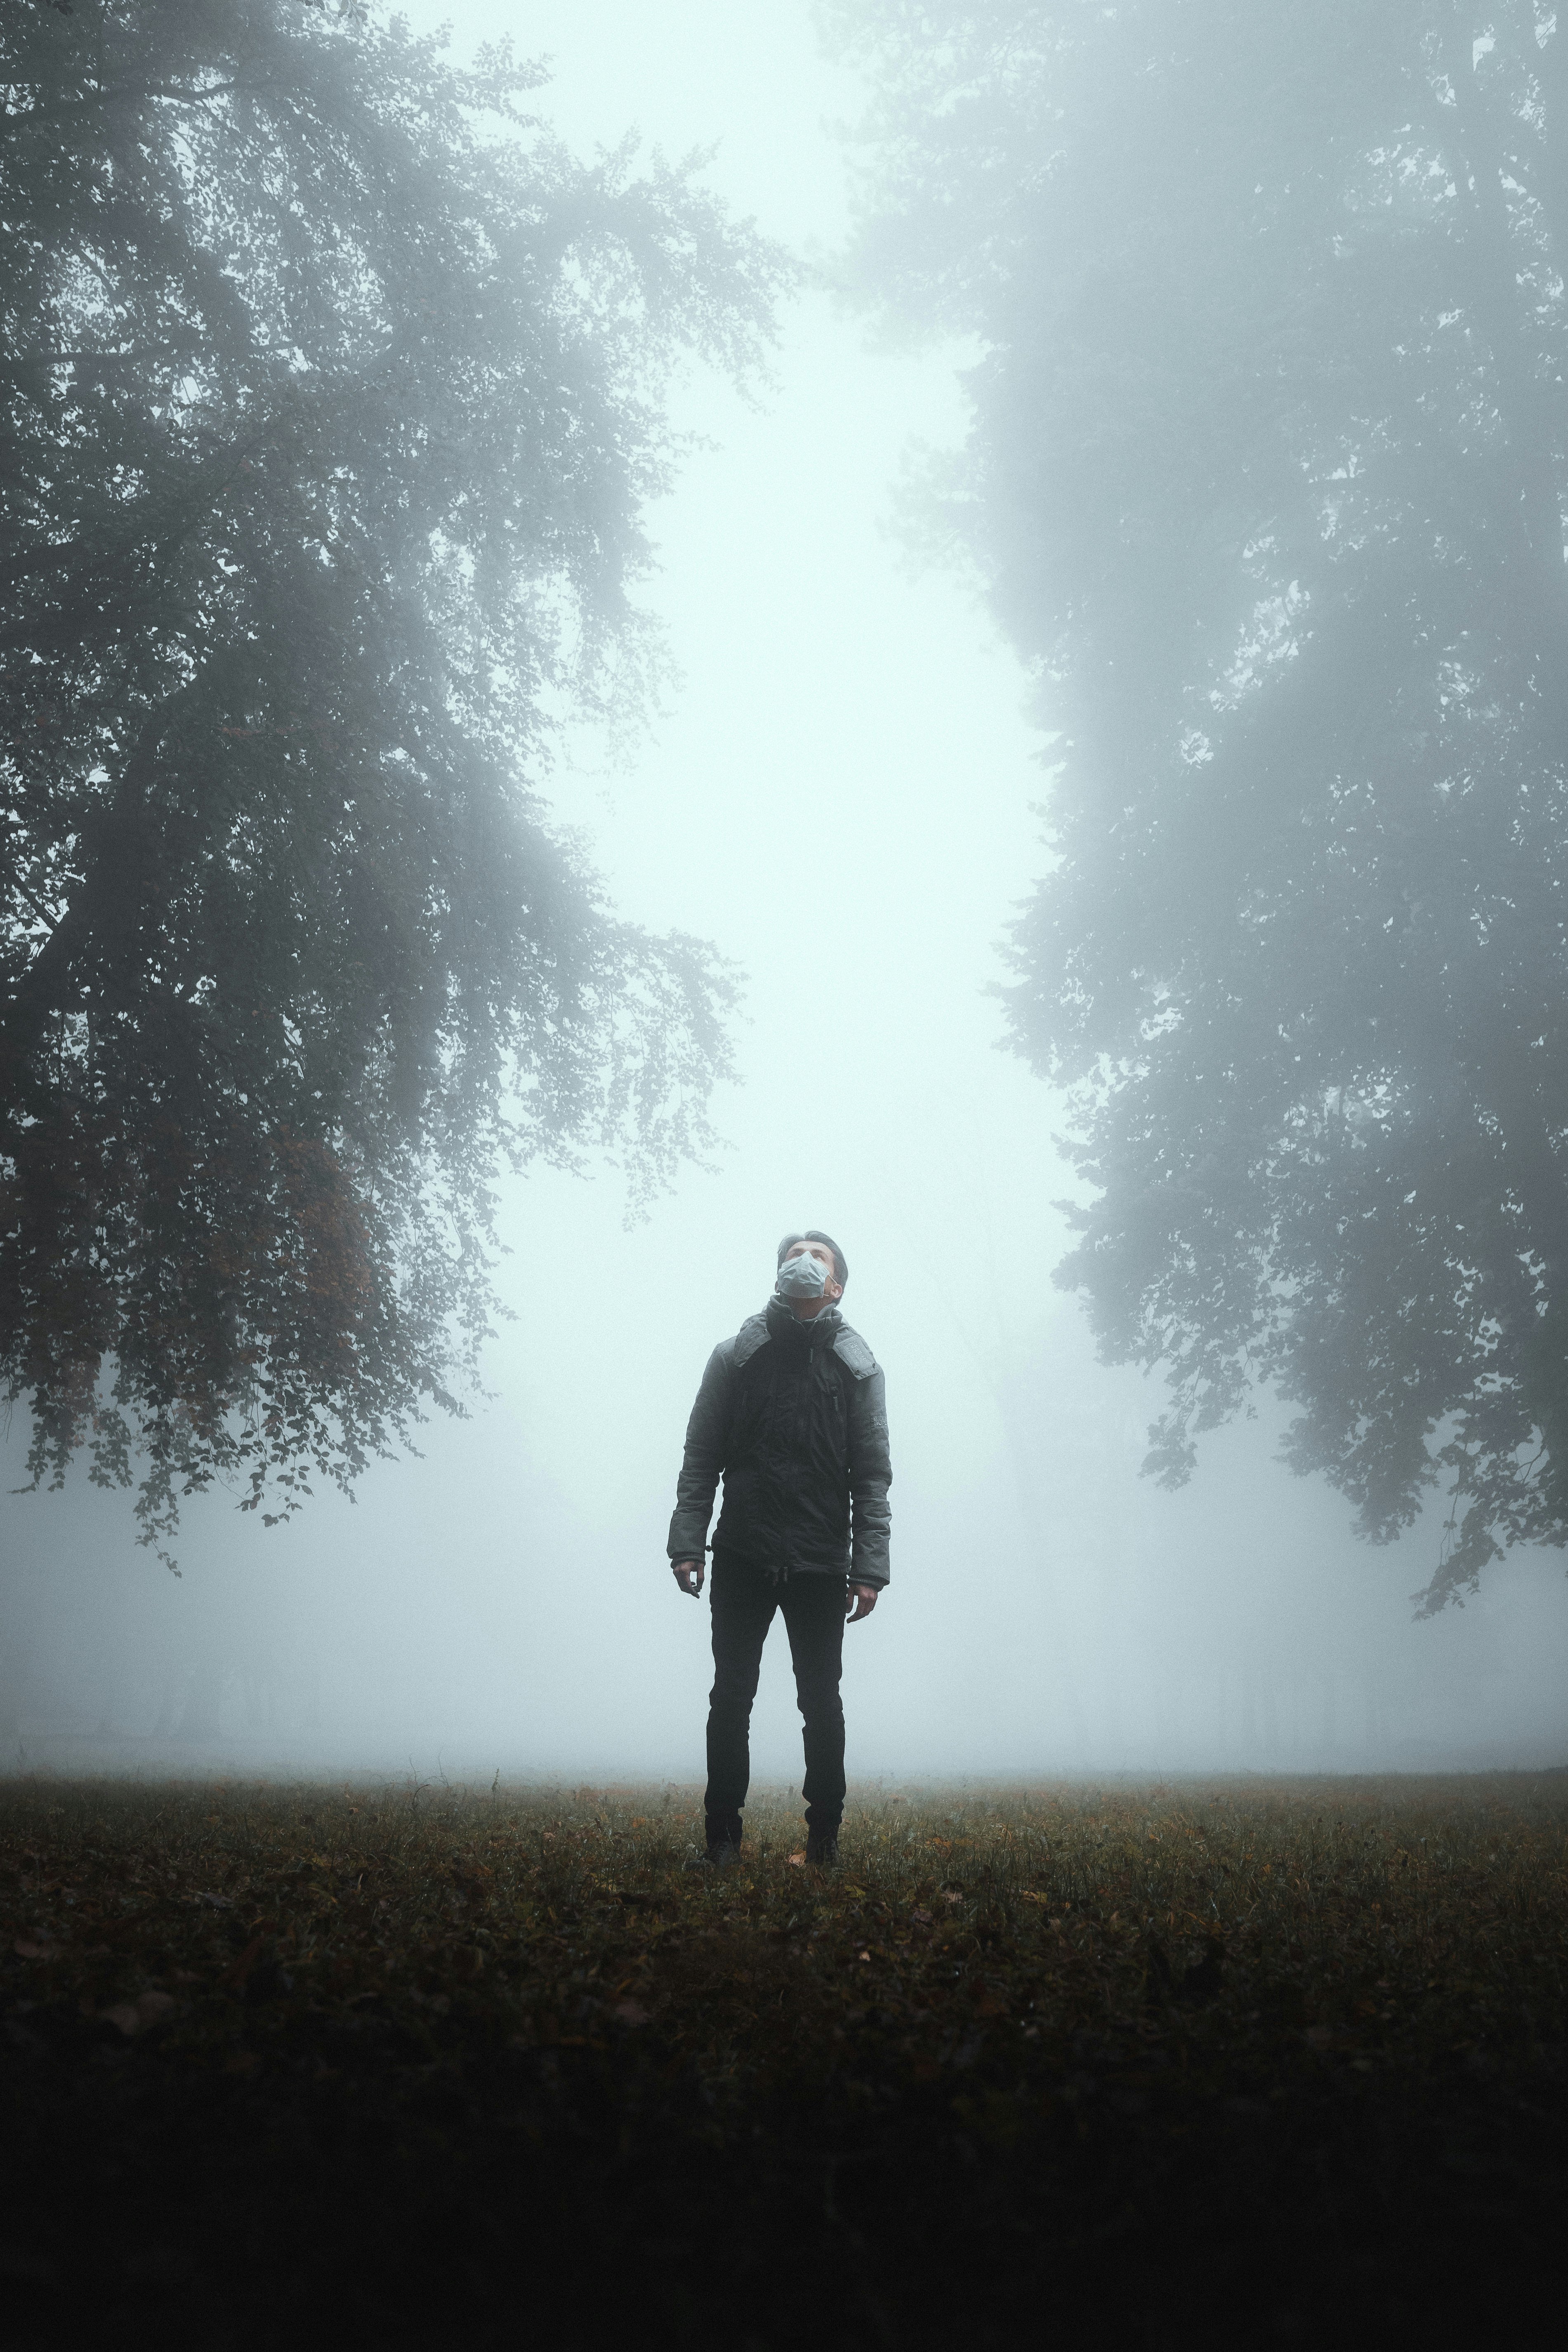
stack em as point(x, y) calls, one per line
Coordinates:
point(792, 1411)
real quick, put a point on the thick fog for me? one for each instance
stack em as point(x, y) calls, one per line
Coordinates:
point(840, 794)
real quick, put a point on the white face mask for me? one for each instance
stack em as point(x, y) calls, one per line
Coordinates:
point(801, 1277)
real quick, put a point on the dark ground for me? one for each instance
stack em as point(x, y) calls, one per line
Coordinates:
point(1260, 2060)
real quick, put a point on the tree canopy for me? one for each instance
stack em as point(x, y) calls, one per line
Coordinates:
point(334, 397)
point(1266, 480)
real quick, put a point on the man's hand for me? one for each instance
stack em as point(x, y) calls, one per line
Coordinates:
point(859, 1602)
point(688, 1576)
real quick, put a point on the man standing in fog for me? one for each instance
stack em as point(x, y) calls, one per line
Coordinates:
point(792, 1413)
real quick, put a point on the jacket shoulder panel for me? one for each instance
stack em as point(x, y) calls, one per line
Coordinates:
point(752, 1335)
point(852, 1351)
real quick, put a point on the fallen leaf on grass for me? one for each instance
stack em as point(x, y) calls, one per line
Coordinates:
point(631, 2012)
point(28, 1947)
point(241, 1968)
point(797, 1861)
point(133, 2017)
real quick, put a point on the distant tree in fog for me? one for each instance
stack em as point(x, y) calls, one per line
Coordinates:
point(330, 421)
point(1266, 480)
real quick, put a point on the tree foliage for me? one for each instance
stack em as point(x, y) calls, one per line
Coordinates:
point(1266, 479)
point(333, 400)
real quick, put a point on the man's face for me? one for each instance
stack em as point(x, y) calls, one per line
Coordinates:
point(831, 1291)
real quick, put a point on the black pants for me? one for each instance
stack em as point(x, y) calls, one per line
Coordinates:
point(744, 1600)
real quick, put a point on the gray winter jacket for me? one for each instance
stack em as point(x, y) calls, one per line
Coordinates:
point(793, 1415)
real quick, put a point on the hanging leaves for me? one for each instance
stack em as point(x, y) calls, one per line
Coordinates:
point(335, 400)
point(1266, 479)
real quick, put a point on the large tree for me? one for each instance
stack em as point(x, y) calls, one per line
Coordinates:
point(1266, 480)
point(334, 397)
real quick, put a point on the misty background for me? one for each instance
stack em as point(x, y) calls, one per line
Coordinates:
point(840, 794)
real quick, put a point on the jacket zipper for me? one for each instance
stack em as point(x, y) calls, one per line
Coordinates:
point(801, 1409)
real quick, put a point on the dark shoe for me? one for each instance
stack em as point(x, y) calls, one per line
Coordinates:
point(723, 1833)
point(822, 1848)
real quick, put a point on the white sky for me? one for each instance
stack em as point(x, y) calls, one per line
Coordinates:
point(840, 796)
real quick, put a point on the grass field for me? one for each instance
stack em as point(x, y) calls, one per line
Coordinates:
point(415, 2064)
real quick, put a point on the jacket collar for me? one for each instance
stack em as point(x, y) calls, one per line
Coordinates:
point(794, 1330)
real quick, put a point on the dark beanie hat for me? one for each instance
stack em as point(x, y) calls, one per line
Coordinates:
point(840, 1265)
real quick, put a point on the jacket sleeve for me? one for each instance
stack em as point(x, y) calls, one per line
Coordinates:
point(706, 1432)
point(870, 1476)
